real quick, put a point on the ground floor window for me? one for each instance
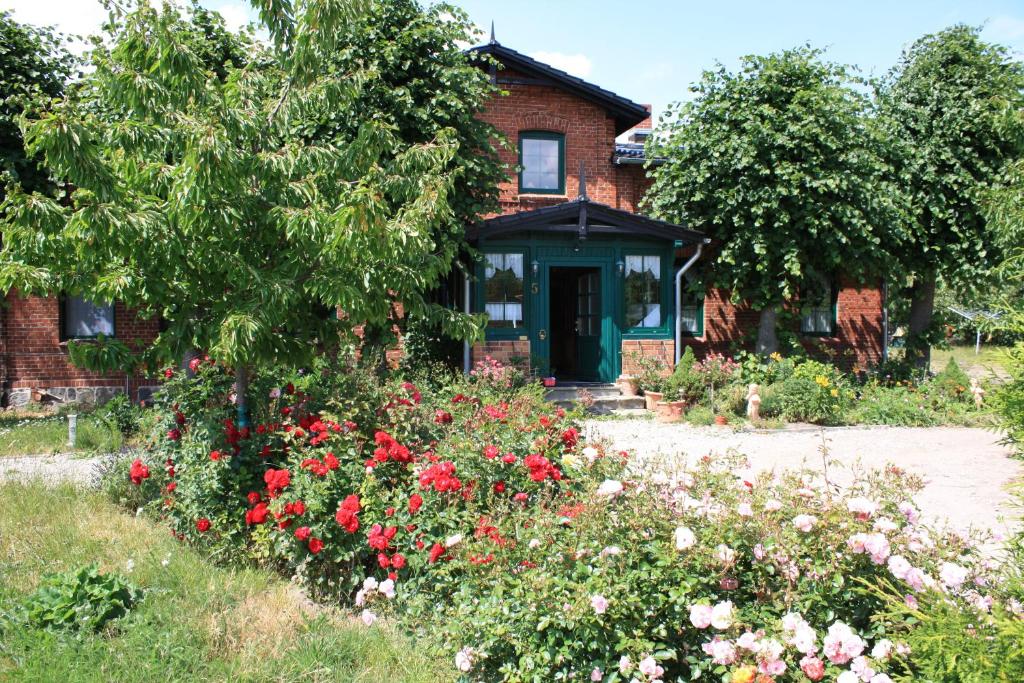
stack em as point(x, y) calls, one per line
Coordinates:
point(82, 319)
point(643, 291)
point(503, 290)
point(691, 307)
point(818, 308)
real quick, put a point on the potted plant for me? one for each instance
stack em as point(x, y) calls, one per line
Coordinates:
point(650, 379)
point(628, 385)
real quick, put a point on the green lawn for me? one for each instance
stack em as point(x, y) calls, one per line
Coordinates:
point(197, 621)
point(976, 365)
point(36, 433)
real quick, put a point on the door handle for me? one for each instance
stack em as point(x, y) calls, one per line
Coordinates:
point(542, 334)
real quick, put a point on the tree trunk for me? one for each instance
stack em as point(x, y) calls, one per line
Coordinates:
point(767, 340)
point(922, 306)
point(241, 395)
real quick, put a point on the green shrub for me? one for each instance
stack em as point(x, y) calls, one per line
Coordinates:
point(896, 406)
point(685, 383)
point(953, 382)
point(122, 415)
point(84, 600)
point(816, 392)
point(1008, 399)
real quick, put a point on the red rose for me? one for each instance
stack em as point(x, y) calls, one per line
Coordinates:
point(393, 576)
point(390, 512)
point(299, 508)
point(203, 525)
point(168, 373)
point(258, 515)
point(436, 551)
point(398, 560)
point(276, 480)
point(315, 545)
point(499, 487)
point(302, 533)
point(491, 452)
point(508, 459)
point(442, 417)
point(331, 462)
point(570, 437)
point(383, 561)
point(253, 497)
point(174, 434)
point(194, 364)
point(138, 472)
point(346, 514)
point(170, 487)
point(415, 503)
point(214, 455)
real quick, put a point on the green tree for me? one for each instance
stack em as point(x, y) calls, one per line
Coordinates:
point(780, 163)
point(33, 64)
point(945, 109)
point(230, 205)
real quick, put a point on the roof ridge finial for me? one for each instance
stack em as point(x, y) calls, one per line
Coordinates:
point(494, 41)
point(583, 182)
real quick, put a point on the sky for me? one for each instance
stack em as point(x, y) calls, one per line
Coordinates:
point(652, 51)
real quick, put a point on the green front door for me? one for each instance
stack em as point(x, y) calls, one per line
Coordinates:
point(589, 321)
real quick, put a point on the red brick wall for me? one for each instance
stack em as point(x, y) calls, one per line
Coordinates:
point(506, 351)
point(589, 137)
point(729, 327)
point(33, 357)
point(662, 350)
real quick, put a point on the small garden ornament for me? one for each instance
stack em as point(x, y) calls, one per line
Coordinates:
point(977, 392)
point(753, 402)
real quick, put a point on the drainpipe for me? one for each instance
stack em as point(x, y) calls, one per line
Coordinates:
point(469, 311)
point(885, 319)
point(679, 295)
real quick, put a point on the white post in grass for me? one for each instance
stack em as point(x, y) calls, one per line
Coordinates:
point(72, 430)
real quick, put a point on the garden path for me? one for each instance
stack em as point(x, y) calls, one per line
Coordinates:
point(967, 473)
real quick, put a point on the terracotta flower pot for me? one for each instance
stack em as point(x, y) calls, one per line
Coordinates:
point(651, 399)
point(721, 420)
point(670, 411)
point(627, 386)
point(549, 382)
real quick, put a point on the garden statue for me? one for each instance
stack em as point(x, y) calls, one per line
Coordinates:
point(753, 403)
point(977, 392)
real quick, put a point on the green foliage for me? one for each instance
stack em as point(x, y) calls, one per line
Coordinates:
point(781, 164)
point(124, 415)
point(953, 382)
point(815, 392)
point(425, 343)
point(343, 162)
point(34, 65)
point(81, 600)
point(944, 107)
point(685, 383)
point(653, 373)
point(1008, 399)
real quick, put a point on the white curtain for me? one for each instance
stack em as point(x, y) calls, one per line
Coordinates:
point(85, 319)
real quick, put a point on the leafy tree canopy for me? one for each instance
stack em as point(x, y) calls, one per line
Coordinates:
point(33, 64)
point(781, 164)
point(948, 107)
point(245, 203)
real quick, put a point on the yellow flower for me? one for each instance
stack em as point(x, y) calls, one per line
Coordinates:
point(570, 460)
point(835, 392)
point(822, 380)
point(775, 356)
point(744, 674)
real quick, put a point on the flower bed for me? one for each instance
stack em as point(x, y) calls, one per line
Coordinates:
point(475, 514)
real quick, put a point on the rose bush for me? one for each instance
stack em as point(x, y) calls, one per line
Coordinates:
point(478, 516)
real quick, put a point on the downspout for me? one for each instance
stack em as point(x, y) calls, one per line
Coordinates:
point(469, 311)
point(679, 296)
point(885, 320)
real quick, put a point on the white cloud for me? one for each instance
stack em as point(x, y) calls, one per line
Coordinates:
point(235, 15)
point(577, 65)
point(75, 17)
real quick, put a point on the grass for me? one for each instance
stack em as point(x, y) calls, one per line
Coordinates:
point(980, 365)
point(197, 621)
point(24, 433)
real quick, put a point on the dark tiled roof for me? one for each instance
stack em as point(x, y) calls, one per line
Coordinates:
point(627, 113)
point(599, 219)
point(632, 153)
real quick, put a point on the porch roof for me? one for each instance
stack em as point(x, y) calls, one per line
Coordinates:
point(583, 217)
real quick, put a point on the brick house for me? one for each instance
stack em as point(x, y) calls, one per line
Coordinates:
point(576, 281)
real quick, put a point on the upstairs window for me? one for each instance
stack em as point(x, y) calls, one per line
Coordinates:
point(503, 290)
point(542, 163)
point(643, 291)
point(81, 319)
point(818, 308)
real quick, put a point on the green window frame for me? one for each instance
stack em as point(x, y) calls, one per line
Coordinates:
point(82, 319)
point(504, 290)
point(691, 307)
point(537, 156)
point(643, 292)
point(819, 308)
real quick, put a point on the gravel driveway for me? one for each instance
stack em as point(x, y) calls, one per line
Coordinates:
point(51, 468)
point(966, 471)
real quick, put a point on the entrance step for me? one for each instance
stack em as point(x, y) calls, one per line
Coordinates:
point(606, 397)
